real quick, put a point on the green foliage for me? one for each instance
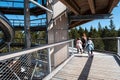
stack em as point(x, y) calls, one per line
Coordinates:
point(73, 34)
point(86, 31)
point(112, 26)
point(100, 44)
point(36, 38)
point(118, 32)
point(80, 31)
point(1, 34)
point(99, 29)
point(98, 35)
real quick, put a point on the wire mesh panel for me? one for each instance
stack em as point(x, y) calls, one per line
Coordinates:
point(21, 68)
point(6, 72)
point(30, 64)
point(105, 44)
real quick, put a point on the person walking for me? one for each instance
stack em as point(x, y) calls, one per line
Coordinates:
point(79, 45)
point(90, 47)
point(84, 40)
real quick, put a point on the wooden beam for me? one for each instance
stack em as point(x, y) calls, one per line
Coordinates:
point(75, 5)
point(112, 4)
point(70, 5)
point(90, 17)
point(78, 23)
point(92, 6)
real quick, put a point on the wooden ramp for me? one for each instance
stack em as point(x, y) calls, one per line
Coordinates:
point(82, 67)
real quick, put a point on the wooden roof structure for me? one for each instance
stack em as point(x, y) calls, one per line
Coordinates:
point(79, 11)
point(82, 9)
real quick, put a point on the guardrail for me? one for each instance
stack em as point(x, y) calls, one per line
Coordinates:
point(28, 64)
point(33, 41)
point(33, 22)
point(107, 44)
point(18, 3)
point(118, 46)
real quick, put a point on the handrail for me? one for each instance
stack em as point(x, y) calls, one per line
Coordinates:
point(12, 1)
point(28, 51)
point(36, 3)
point(23, 19)
point(113, 38)
point(107, 38)
point(34, 22)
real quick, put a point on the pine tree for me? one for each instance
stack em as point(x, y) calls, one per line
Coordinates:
point(91, 32)
point(86, 32)
point(110, 44)
point(73, 33)
point(118, 32)
point(112, 33)
point(80, 31)
point(96, 39)
point(99, 29)
point(112, 26)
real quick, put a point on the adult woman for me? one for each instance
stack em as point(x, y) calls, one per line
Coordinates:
point(84, 40)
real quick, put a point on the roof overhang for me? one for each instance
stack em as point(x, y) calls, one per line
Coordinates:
point(88, 7)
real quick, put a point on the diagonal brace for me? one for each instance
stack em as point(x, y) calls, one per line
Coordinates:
point(36, 3)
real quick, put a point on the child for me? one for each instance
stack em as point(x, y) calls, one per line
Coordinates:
point(79, 45)
point(90, 47)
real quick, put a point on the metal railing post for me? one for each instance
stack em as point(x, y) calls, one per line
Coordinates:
point(72, 46)
point(8, 46)
point(49, 61)
point(118, 46)
point(34, 70)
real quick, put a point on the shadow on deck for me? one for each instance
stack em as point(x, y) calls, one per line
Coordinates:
point(81, 67)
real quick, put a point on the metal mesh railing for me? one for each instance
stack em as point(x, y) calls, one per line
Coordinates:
point(31, 64)
point(34, 22)
point(108, 44)
point(21, 68)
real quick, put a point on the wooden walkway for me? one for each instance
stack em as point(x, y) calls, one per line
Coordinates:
point(82, 67)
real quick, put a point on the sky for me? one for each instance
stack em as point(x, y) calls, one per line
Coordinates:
point(20, 4)
point(94, 23)
point(105, 22)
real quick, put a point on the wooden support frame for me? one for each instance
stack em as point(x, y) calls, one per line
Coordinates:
point(72, 6)
point(112, 4)
point(90, 17)
point(78, 23)
point(27, 24)
point(92, 6)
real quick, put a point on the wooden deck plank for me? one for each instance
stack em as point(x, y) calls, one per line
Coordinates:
point(81, 67)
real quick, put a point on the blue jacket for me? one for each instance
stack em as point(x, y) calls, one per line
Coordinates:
point(89, 45)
